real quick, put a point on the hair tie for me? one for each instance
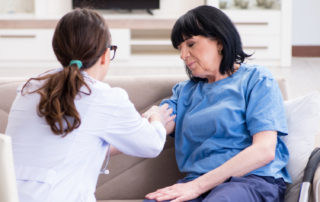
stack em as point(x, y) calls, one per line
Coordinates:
point(77, 62)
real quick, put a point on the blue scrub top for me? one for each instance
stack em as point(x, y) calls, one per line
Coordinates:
point(216, 121)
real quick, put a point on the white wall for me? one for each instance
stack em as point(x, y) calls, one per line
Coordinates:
point(168, 8)
point(306, 22)
point(305, 14)
point(52, 8)
point(16, 6)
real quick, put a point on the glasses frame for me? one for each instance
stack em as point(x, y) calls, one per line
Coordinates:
point(114, 49)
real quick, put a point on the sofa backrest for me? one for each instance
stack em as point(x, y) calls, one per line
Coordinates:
point(7, 94)
point(144, 91)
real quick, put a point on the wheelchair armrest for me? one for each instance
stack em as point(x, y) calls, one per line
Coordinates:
point(309, 173)
point(312, 165)
point(316, 185)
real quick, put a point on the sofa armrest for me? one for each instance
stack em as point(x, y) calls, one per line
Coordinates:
point(8, 187)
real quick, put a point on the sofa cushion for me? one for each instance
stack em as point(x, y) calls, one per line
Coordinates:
point(133, 178)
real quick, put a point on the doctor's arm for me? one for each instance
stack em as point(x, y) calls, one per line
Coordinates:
point(154, 114)
point(170, 126)
point(258, 154)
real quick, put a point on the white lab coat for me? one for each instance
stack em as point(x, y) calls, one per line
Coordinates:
point(50, 168)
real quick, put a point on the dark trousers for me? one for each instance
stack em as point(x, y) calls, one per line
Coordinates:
point(251, 188)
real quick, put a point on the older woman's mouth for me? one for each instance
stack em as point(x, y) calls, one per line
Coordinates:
point(190, 64)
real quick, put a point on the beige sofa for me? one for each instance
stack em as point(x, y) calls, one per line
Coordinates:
point(130, 178)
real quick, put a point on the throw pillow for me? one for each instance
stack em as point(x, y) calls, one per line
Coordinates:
point(303, 118)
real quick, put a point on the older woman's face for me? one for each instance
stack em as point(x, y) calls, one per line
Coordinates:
point(201, 55)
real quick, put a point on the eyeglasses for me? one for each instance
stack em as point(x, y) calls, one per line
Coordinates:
point(113, 50)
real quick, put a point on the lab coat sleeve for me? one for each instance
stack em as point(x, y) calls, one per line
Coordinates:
point(132, 134)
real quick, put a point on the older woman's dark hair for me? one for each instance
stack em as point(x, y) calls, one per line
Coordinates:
point(211, 22)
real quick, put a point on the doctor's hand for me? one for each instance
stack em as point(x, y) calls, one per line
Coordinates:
point(162, 114)
point(176, 193)
point(114, 151)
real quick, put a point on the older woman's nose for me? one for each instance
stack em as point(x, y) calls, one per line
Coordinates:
point(184, 53)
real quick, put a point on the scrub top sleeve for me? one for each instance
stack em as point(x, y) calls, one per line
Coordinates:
point(132, 134)
point(173, 100)
point(265, 110)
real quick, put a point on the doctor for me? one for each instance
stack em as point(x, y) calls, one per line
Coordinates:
point(63, 122)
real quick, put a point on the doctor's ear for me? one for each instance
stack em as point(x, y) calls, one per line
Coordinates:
point(103, 56)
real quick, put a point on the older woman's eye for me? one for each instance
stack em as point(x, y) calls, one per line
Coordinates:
point(190, 45)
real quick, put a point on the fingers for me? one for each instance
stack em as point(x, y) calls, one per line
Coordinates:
point(179, 199)
point(165, 106)
point(166, 197)
point(169, 111)
point(162, 194)
point(161, 113)
point(153, 195)
point(171, 118)
point(150, 111)
point(176, 193)
point(144, 115)
point(166, 110)
point(163, 109)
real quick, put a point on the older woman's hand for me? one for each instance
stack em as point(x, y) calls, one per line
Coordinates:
point(177, 192)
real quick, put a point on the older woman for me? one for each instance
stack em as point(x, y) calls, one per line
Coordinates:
point(229, 117)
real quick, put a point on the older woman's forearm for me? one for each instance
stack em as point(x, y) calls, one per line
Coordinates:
point(260, 153)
